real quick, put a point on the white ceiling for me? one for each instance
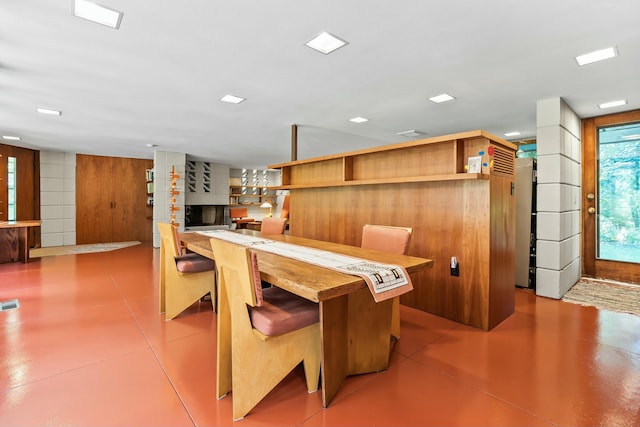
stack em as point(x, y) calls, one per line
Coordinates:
point(159, 77)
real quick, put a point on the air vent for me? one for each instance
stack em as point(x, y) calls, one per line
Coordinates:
point(9, 305)
point(503, 162)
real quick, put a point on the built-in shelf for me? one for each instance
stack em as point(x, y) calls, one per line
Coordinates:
point(428, 178)
point(428, 160)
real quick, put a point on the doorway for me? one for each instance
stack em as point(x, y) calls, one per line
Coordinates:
point(611, 197)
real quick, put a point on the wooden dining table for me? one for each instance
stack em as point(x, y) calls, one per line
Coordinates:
point(355, 330)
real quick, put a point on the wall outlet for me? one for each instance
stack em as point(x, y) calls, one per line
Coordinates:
point(455, 267)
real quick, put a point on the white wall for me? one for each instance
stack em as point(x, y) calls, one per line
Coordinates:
point(559, 189)
point(57, 198)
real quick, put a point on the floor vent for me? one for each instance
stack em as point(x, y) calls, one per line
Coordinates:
point(8, 305)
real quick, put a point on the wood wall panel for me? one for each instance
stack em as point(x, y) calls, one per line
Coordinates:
point(456, 214)
point(111, 199)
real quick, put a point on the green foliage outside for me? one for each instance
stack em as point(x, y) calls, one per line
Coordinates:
point(619, 196)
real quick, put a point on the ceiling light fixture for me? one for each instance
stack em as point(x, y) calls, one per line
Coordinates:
point(598, 55)
point(358, 120)
point(410, 133)
point(613, 104)
point(231, 99)
point(96, 13)
point(326, 43)
point(512, 134)
point(631, 137)
point(11, 138)
point(48, 111)
point(441, 98)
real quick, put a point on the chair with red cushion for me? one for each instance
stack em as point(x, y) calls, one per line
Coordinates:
point(386, 238)
point(240, 217)
point(272, 225)
point(263, 334)
point(184, 277)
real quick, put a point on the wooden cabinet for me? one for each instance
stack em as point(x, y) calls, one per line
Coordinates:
point(422, 184)
point(111, 199)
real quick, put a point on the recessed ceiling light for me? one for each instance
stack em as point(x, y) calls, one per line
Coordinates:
point(410, 133)
point(358, 120)
point(11, 138)
point(232, 99)
point(96, 13)
point(48, 111)
point(326, 43)
point(512, 134)
point(613, 104)
point(631, 137)
point(441, 98)
point(598, 55)
point(151, 145)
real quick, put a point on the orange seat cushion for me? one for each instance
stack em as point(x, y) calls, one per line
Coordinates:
point(194, 263)
point(282, 312)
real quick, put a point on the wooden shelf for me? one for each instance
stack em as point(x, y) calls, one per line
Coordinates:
point(428, 178)
point(254, 199)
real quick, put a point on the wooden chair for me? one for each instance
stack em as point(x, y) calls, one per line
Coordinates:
point(239, 217)
point(284, 213)
point(388, 239)
point(272, 225)
point(262, 334)
point(184, 278)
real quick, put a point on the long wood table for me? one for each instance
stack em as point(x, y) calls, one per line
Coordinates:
point(355, 329)
point(14, 240)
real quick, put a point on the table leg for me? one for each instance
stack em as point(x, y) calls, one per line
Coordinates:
point(335, 347)
point(355, 338)
point(23, 242)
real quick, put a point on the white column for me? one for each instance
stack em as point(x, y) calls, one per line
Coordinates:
point(57, 198)
point(558, 229)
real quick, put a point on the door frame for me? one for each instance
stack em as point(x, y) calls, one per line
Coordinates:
point(592, 267)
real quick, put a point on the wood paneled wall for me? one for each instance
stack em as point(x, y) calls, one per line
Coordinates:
point(111, 201)
point(452, 214)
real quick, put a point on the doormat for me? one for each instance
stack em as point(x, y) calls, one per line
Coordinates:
point(79, 249)
point(605, 295)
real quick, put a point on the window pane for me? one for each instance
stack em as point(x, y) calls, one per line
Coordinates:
point(618, 222)
point(11, 193)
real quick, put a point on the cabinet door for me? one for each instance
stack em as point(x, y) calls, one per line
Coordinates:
point(129, 213)
point(111, 203)
point(93, 199)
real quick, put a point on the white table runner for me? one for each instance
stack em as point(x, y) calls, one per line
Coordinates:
point(384, 280)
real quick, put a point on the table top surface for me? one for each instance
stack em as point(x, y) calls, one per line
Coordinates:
point(307, 280)
point(17, 224)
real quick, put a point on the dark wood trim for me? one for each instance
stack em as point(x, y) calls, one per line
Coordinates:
point(621, 271)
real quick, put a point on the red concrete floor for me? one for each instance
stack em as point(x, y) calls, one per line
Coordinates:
point(87, 347)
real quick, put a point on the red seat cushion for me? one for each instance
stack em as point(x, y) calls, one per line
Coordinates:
point(282, 312)
point(194, 263)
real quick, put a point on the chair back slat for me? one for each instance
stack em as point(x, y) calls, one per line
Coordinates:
point(239, 267)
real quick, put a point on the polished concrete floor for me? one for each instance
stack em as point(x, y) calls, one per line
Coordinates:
point(87, 347)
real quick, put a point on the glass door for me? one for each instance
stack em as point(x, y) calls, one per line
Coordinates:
point(611, 191)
